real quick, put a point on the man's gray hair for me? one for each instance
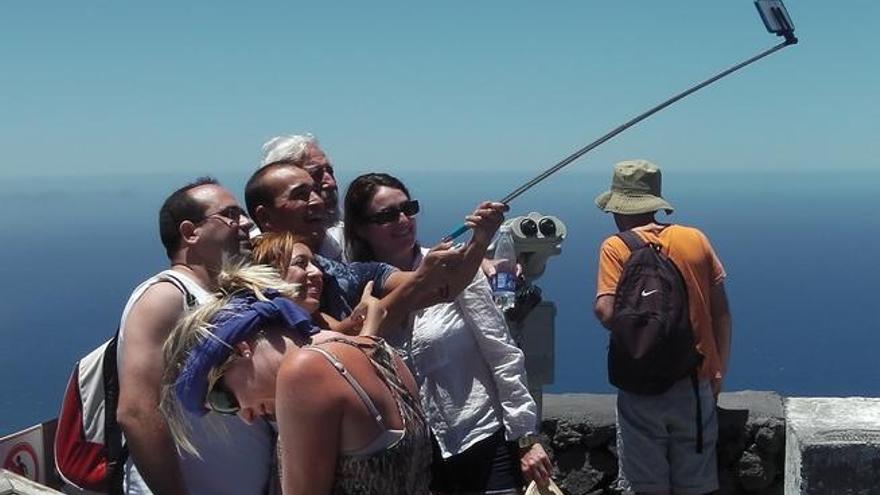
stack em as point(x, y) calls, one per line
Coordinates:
point(288, 148)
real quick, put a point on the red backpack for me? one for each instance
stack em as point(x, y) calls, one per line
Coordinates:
point(89, 450)
point(88, 443)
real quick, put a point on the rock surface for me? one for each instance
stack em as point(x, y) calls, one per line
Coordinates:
point(578, 431)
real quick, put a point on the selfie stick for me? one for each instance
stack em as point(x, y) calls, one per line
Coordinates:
point(777, 22)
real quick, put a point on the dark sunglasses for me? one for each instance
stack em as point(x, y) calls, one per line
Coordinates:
point(220, 400)
point(388, 215)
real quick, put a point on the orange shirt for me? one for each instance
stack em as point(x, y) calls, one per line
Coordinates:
point(691, 252)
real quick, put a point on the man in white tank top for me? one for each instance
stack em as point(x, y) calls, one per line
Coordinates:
point(200, 224)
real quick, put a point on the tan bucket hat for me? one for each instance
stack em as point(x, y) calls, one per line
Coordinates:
point(635, 189)
point(550, 489)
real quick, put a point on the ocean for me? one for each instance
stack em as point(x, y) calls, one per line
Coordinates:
point(799, 252)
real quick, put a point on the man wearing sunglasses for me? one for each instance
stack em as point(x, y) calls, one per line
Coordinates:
point(283, 196)
point(200, 225)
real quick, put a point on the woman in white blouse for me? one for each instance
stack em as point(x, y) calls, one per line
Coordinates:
point(471, 375)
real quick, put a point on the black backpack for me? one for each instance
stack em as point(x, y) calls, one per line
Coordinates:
point(652, 342)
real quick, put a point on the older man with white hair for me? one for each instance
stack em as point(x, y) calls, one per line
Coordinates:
point(304, 151)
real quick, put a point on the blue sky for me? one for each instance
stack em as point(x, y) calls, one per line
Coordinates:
point(106, 92)
point(194, 87)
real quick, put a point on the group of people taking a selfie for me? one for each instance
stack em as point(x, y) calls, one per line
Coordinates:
point(306, 345)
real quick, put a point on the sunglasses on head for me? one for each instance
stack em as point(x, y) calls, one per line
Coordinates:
point(391, 214)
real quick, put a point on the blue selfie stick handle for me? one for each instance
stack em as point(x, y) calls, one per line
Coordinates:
point(457, 233)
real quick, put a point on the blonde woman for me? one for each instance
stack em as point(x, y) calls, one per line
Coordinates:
point(346, 407)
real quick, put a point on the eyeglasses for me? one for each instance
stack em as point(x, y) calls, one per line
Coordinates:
point(409, 208)
point(231, 216)
point(317, 171)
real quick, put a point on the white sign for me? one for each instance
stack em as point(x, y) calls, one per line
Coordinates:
point(22, 453)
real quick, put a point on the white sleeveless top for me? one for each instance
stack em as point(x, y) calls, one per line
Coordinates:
point(236, 457)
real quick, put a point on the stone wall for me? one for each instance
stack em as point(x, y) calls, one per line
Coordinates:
point(578, 431)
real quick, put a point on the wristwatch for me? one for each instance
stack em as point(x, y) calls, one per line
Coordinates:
point(525, 442)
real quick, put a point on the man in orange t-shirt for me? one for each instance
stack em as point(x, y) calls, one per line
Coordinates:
point(657, 434)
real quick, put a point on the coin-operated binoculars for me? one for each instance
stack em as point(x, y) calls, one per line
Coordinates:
point(536, 237)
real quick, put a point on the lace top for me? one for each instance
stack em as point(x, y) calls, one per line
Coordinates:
point(403, 466)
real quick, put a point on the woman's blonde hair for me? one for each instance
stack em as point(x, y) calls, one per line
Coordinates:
point(195, 327)
point(276, 249)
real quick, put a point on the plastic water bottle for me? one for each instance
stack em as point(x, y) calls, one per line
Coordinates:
point(504, 281)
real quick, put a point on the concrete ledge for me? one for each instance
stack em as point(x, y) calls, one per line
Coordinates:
point(13, 484)
point(833, 445)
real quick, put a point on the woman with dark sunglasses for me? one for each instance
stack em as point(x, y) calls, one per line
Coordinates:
point(471, 375)
point(346, 408)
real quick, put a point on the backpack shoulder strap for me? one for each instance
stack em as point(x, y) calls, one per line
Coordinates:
point(117, 451)
point(632, 240)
